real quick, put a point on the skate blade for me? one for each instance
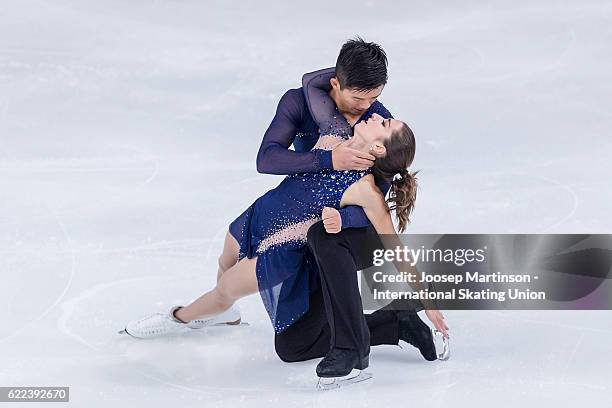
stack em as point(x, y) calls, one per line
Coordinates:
point(445, 353)
point(124, 332)
point(187, 330)
point(220, 325)
point(230, 324)
point(326, 384)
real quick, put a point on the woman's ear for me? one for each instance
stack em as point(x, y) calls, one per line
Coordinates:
point(378, 150)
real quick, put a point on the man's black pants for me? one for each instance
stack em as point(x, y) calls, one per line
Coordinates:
point(335, 317)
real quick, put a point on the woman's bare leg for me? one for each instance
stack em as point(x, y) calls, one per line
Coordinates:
point(234, 283)
point(229, 256)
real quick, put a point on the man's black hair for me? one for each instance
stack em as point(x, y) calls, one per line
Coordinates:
point(361, 65)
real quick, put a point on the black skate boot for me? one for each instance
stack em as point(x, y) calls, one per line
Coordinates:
point(335, 369)
point(414, 331)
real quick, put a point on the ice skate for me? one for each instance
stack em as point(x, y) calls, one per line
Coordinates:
point(156, 325)
point(229, 317)
point(445, 353)
point(341, 367)
point(414, 331)
point(161, 324)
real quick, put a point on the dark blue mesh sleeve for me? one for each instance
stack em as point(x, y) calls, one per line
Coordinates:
point(274, 156)
point(325, 113)
point(321, 106)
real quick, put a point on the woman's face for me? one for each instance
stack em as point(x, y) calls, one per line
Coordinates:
point(377, 129)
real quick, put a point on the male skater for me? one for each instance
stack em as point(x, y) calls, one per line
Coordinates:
point(334, 326)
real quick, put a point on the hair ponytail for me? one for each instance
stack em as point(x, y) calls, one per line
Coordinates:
point(402, 197)
point(400, 149)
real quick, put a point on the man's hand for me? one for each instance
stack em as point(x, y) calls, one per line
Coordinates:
point(437, 318)
point(344, 157)
point(331, 220)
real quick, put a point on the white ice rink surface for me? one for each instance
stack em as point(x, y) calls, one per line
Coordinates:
point(128, 135)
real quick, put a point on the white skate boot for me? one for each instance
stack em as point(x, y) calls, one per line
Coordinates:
point(162, 324)
point(156, 325)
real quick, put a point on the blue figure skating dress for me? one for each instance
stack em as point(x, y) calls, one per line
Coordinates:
point(274, 229)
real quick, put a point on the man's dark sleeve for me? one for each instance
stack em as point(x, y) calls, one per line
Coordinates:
point(322, 107)
point(274, 156)
point(353, 216)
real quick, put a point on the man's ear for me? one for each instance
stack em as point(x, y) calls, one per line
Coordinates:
point(378, 150)
point(334, 83)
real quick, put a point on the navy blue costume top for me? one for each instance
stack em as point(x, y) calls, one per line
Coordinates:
point(275, 226)
point(300, 114)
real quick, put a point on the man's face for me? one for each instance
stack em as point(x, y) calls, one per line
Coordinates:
point(352, 101)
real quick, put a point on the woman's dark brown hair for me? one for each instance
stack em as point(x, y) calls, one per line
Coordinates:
point(400, 148)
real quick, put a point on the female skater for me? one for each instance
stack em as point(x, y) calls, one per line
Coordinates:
point(266, 250)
